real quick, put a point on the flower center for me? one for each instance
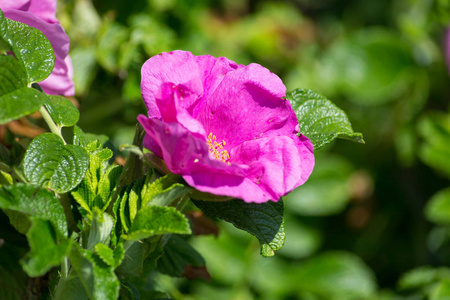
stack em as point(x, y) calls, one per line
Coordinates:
point(216, 148)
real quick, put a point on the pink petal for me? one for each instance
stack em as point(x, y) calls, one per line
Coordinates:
point(44, 9)
point(186, 70)
point(15, 4)
point(248, 104)
point(278, 164)
point(182, 151)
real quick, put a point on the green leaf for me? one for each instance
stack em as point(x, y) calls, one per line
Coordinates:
point(19, 103)
point(158, 220)
point(12, 75)
point(97, 187)
point(435, 129)
point(336, 275)
point(263, 220)
point(46, 252)
point(62, 111)
point(48, 162)
point(100, 230)
point(177, 254)
point(437, 209)
point(135, 254)
point(422, 277)
point(40, 61)
point(319, 119)
point(111, 257)
point(162, 191)
point(34, 202)
point(442, 291)
point(97, 278)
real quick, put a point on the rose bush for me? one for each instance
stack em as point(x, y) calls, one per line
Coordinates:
point(41, 14)
point(226, 128)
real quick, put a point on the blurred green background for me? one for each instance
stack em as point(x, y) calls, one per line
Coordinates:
point(373, 222)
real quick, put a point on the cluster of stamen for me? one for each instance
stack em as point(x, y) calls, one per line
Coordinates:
point(216, 148)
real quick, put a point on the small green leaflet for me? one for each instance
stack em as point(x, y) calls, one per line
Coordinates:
point(48, 162)
point(263, 220)
point(319, 119)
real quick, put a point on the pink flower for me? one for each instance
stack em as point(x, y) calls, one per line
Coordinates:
point(226, 128)
point(40, 14)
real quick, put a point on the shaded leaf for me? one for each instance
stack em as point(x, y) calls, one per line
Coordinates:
point(34, 202)
point(45, 250)
point(177, 255)
point(263, 220)
point(98, 279)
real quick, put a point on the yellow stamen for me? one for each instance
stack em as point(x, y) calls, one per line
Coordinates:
point(216, 149)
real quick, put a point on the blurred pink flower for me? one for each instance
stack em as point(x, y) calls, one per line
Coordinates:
point(40, 14)
point(226, 128)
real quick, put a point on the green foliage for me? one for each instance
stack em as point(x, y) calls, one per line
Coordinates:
point(336, 275)
point(98, 186)
point(46, 251)
point(97, 279)
point(157, 220)
point(263, 220)
point(19, 103)
point(435, 129)
point(62, 111)
point(326, 191)
point(177, 255)
point(38, 63)
point(438, 208)
point(51, 163)
point(319, 119)
point(33, 202)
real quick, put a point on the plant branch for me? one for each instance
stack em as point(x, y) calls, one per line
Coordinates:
point(48, 119)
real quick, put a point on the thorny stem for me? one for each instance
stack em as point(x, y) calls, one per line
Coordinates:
point(48, 119)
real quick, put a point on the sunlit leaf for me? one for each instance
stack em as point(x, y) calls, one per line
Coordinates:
point(320, 120)
point(48, 162)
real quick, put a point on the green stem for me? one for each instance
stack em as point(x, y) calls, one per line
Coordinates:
point(62, 280)
point(48, 119)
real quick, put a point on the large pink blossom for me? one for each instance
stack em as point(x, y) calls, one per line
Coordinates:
point(226, 128)
point(40, 14)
